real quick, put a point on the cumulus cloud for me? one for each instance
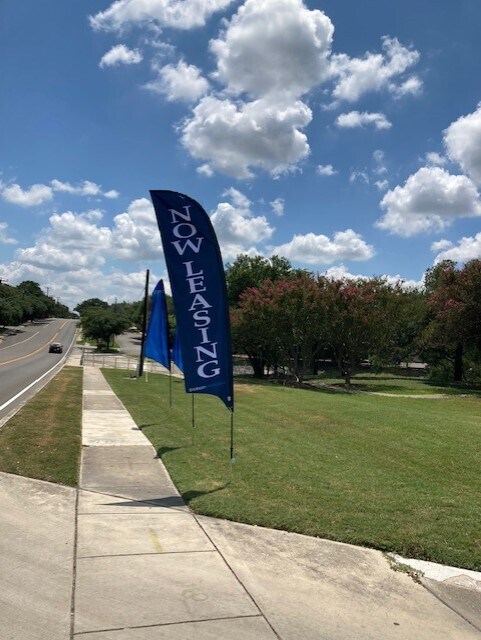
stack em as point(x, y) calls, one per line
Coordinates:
point(234, 138)
point(462, 140)
point(274, 47)
point(278, 206)
point(4, 237)
point(326, 170)
point(319, 249)
point(412, 86)
point(355, 119)
point(120, 54)
point(87, 188)
point(434, 158)
point(179, 82)
point(33, 196)
point(375, 71)
point(178, 14)
point(269, 54)
point(441, 245)
point(468, 248)
point(135, 235)
point(428, 201)
point(238, 230)
point(340, 272)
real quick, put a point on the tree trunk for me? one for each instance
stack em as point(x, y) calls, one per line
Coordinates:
point(258, 364)
point(458, 363)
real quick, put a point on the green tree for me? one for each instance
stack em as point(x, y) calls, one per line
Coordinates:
point(360, 321)
point(279, 323)
point(103, 324)
point(247, 272)
point(90, 304)
point(454, 314)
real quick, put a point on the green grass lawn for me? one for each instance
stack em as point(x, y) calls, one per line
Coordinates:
point(43, 439)
point(391, 473)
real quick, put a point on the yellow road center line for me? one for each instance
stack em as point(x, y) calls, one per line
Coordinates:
point(29, 355)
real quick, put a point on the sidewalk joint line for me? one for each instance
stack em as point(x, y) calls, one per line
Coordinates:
point(446, 604)
point(145, 553)
point(254, 602)
point(168, 624)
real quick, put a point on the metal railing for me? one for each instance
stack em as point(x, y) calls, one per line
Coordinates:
point(121, 361)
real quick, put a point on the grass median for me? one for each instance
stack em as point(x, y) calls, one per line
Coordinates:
point(43, 439)
point(396, 474)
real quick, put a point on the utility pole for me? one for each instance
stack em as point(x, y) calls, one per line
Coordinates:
point(140, 369)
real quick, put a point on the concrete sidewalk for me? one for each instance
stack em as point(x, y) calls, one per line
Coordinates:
point(146, 568)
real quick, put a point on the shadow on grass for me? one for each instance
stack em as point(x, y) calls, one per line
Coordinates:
point(188, 496)
point(150, 424)
point(161, 451)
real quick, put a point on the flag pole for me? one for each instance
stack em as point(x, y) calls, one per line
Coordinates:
point(140, 369)
point(193, 419)
point(170, 385)
point(232, 455)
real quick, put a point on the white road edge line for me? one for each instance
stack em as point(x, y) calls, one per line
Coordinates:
point(20, 393)
point(21, 342)
point(32, 384)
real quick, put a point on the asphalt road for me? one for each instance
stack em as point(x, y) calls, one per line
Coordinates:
point(25, 363)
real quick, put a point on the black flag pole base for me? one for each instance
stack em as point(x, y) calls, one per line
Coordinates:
point(232, 454)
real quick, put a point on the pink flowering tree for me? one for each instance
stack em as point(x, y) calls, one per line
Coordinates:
point(280, 323)
point(360, 320)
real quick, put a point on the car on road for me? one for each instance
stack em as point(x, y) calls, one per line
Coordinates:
point(55, 347)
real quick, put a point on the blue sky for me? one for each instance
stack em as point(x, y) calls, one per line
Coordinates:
point(343, 135)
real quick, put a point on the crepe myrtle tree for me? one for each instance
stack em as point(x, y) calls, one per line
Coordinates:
point(360, 321)
point(279, 323)
point(454, 298)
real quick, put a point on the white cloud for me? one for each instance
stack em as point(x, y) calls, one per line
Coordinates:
point(441, 245)
point(360, 176)
point(378, 157)
point(31, 197)
point(178, 14)
point(382, 185)
point(135, 235)
point(428, 201)
point(179, 82)
point(238, 199)
point(274, 47)
point(340, 272)
point(463, 143)
point(233, 138)
point(278, 206)
point(412, 86)
point(434, 158)
point(237, 229)
point(319, 249)
point(326, 170)
point(269, 54)
point(46, 256)
point(205, 170)
point(467, 249)
point(375, 71)
point(87, 188)
point(120, 54)
point(356, 119)
point(4, 237)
